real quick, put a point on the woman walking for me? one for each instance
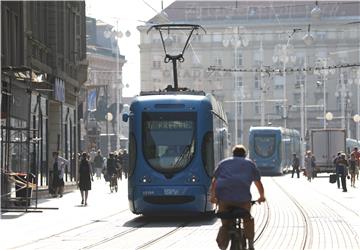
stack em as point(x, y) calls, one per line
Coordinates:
point(309, 165)
point(352, 169)
point(85, 178)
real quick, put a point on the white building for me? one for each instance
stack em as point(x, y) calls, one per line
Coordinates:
point(251, 36)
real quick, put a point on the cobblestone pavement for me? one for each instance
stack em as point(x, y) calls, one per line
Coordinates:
point(297, 215)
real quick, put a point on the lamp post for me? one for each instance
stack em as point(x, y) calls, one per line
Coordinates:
point(323, 72)
point(356, 76)
point(284, 53)
point(344, 94)
point(115, 35)
point(237, 41)
point(308, 41)
point(356, 119)
point(108, 118)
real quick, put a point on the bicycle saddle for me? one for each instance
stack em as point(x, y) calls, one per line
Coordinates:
point(232, 214)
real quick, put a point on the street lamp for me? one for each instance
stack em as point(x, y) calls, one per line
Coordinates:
point(329, 116)
point(316, 12)
point(308, 38)
point(237, 41)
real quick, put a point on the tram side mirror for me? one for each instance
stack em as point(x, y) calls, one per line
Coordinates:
point(125, 117)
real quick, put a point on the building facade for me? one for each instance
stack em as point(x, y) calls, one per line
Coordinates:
point(270, 62)
point(102, 93)
point(43, 59)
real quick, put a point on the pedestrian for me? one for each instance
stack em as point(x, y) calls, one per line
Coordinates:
point(342, 171)
point(125, 162)
point(295, 166)
point(236, 173)
point(118, 159)
point(352, 169)
point(309, 165)
point(58, 174)
point(98, 164)
point(337, 157)
point(111, 169)
point(357, 158)
point(85, 178)
point(91, 156)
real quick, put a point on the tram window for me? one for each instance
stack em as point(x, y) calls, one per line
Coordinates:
point(168, 140)
point(132, 154)
point(207, 153)
point(264, 145)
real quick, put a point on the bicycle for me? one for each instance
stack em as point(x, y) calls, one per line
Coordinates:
point(236, 231)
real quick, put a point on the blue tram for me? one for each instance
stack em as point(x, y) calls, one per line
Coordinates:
point(175, 140)
point(271, 148)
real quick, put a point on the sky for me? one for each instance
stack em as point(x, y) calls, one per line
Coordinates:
point(128, 14)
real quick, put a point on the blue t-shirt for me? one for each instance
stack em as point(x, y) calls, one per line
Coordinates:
point(234, 177)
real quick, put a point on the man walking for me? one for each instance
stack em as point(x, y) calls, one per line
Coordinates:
point(295, 166)
point(58, 174)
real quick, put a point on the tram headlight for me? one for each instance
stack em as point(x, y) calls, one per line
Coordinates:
point(193, 179)
point(145, 179)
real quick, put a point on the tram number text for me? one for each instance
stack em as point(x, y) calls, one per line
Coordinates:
point(147, 193)
point(171, 191)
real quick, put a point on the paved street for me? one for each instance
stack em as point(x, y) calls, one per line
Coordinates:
point(298, 215)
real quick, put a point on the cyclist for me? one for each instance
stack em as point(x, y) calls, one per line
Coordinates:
point(230, 188)
point(111, 168)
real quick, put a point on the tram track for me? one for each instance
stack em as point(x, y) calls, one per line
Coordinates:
point(27, 244)
point(325, 216)
point(144, 245)
point(265, 223)
point(307, 238)
point(162, 237)
point(116, 236)
point(346, 208)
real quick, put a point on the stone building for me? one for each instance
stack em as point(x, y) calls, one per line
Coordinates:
point(102, 93)
point(43, 60)
point(266, 54)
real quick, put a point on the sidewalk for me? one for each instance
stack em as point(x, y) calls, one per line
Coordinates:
point(59, 214)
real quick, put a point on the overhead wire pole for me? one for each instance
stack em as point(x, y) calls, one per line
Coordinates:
point(262, 85)
point(236, 97)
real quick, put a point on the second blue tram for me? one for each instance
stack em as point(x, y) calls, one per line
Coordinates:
point(175, 141)
point(271, 148)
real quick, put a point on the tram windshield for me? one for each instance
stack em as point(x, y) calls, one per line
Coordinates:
point(168, 139)
point(264, 145)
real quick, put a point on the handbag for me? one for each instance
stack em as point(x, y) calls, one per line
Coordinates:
point(332, 178)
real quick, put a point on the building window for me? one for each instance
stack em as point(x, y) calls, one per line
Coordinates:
point(257, 81)
point(156, 64)
point(217, 37)
point(300, 80)
point(238, 82)
point(239, 59)
point(277, 108)
point(238, 108)
point(279, 82)
point(218, 61)
point(257, 108)
point(297, 98)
